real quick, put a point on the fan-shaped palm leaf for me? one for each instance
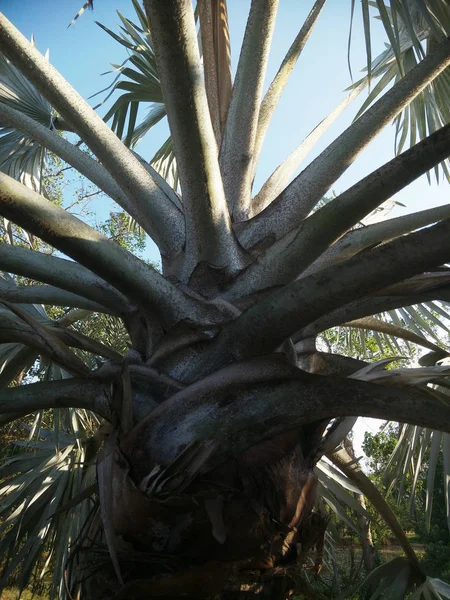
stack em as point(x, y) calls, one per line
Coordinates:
point(141, 85)
point(414, 29)
point(39, 514)
point(142, 81)
point(22, 157)
point(48, 489)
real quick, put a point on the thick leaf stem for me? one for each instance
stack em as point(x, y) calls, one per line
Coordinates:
point(267, 324)
point(374, 324)
point(281, 79)
point(238, 145)
point(48, 294)
point(68, 393)
point(363, 237)
point(288, 257)
point(299, 198)
point(369, 306)
point(81, 161)
point(249, 402)
point(124, 271)
point(209, 235)
point(353, 471)
point(139, 187)
point(283, 174)
point(61, 273)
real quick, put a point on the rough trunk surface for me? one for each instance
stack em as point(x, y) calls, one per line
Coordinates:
point(240, 530)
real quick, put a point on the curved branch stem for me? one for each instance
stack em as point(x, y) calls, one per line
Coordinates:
point(47, 294)
point(365, 308)
point(238, 144)
point(276, 88)
point(30, 332)
point(76, 158)
point(282, 175)
point(358, 239)
point(299, 198)
point(67, 393)
point(209, 236)
point(59, 272)
point(108, 260)
point(252, 401)
point(353, 471)
point(165, 222)
point(75, 339)
point(288, 257)
point(373, 324)
point(265, 326)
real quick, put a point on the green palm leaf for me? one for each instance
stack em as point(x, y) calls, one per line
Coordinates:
point(413, 29)
point(141, 85)
point(37, 484)
point(141, 82)
point(20, 156)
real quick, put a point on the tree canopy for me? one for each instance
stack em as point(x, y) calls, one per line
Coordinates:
point(178, 419)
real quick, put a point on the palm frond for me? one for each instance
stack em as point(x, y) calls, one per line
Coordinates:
point(139, 82)
point(413, 30)
point(21, 157)
point(397, 579)
point(394, 331)
point(432, 588)
point(394, 579)
point(40, 520)
point(338, 493)
point(165, 163)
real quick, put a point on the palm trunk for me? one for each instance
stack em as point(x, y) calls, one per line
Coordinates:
point(234, 532)
point(208, 491)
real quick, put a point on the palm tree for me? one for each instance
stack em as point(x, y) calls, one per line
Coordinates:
point(188, 465)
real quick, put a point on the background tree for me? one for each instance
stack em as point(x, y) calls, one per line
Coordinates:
point(379, 449)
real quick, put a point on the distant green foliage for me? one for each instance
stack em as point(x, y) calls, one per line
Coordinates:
point(362, 344)
point(378, 447)
point(54, 179)
point(106, 329)
point(436, 560)
point(117, 228)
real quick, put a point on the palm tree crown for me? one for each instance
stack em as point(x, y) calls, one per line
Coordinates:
point(180, 418)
